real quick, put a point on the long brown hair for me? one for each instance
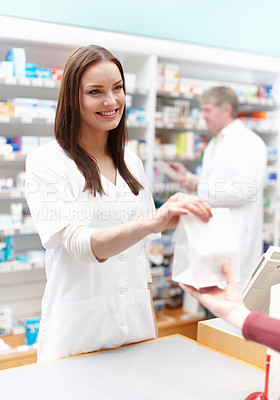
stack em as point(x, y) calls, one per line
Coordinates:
point(67, 121)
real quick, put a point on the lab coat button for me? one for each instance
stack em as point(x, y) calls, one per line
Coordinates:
point(122, 291)
point(123, 258)
point(118, 194)
point(123, 323)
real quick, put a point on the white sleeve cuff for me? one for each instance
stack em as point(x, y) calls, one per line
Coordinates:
point(76, 238)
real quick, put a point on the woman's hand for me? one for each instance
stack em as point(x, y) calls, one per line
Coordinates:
point(225, 303)
point(167, 216)
point(107, 242)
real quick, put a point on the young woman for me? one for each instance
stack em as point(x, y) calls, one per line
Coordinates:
point(91, 204)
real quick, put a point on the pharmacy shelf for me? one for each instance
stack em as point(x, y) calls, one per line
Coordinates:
point(29, 87)
point(26, 82)
point(269, 212)
point(160, 280)
point(18, 230)
point(137, 124)
point(196, 128)
point(271, 185)
point(6, 119)
point(176, 128)
point(176, 95)
point(265, 133)
point(263, 103)
point(272, 159)
point(15, 266)
point(11, 126)
point(178, 321)
point(12, 194)
point(13, 157)
point(29, 83)
point(177, 158)
point(138, 91)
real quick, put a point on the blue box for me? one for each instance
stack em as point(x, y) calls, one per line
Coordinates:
point(31, 330)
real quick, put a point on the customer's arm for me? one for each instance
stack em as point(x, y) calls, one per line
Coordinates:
point(262, 329)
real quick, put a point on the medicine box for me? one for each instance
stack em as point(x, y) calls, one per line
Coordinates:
point(26, 143)
point(33, 71)
point(6, 69)
point(34, 108)
point(168, 77)
point(6, 109)
point(5, 320)
point(57, 73)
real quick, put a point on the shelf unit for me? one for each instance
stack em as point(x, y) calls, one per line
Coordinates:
point(169, 127)
point(22, 282)
point(52, 45)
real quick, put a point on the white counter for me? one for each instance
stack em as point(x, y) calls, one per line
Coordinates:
point(165, 369)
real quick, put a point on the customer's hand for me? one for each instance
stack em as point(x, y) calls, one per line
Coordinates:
point(167, 216)
point(225, 303)
point(178, 167)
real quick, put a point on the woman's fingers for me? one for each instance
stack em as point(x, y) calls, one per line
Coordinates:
point(198, 209)
point(202, 211)
point(173, 208)
point(194, 204)
point(204, 207)
point(180, 204)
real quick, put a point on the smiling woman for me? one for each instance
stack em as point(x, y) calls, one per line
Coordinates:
point(102, 102)
point(94, 141)
point(94, 213)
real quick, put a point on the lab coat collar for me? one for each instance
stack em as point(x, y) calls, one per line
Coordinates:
point(236, 124)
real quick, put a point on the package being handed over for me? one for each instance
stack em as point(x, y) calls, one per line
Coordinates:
point(202, 248)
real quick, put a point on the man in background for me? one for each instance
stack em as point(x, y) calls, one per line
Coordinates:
point(232, 173)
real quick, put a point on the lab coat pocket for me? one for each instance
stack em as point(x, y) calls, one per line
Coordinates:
point(77, 327)
point(144, 327)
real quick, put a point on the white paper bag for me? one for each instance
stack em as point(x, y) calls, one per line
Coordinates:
point(201, 249)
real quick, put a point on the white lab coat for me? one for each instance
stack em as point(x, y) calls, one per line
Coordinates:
point(232, 175)
point(87, 306)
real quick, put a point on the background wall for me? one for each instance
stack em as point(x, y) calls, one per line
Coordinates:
point(246, 25)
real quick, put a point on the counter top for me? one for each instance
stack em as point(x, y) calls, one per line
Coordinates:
point(163, 369)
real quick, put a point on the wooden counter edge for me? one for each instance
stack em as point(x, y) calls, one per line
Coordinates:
point(232, 345)
point(24, 357)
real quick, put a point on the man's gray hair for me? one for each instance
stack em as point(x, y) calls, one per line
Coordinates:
point(221, 96)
